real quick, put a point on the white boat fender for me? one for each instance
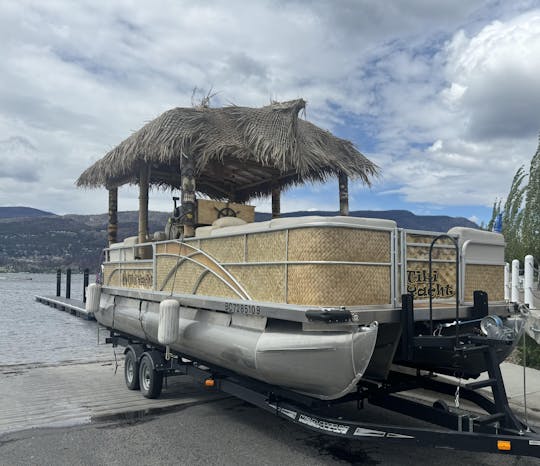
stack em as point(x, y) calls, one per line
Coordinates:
point(168, 326)
point(93, 296)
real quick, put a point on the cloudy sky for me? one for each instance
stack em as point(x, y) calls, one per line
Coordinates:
point(444, 96)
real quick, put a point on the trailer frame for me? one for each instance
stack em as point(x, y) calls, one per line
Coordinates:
point(453, 428)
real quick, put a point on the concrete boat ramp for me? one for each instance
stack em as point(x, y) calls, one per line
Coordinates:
point(74, 394)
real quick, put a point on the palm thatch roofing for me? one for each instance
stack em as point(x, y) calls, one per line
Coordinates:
point(238, 152)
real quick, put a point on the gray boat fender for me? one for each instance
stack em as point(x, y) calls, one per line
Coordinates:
point(93, 297)
point(168, 326)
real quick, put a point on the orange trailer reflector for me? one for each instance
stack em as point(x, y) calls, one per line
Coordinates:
point(504, 445)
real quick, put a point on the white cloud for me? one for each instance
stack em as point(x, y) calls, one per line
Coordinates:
point(443, 93)
point(481, 125)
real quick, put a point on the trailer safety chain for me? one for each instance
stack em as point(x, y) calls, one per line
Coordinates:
point(524, 359)
point(114, 348)
point(115, 361)
point(456, 397)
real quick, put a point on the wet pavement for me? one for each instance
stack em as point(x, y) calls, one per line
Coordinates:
point(222, 432)
point(74, 394)
point(83, 414)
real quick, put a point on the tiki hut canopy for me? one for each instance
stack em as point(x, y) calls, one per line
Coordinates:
point(238, 153)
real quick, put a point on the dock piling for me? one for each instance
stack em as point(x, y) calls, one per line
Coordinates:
point(68, 283)
point(58, 282)
point(86, 274)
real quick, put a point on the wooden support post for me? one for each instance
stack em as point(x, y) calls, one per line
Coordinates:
point(143, 203)
point(343, 194)
point(112, 228)
point(276, 202)
point(188, 196)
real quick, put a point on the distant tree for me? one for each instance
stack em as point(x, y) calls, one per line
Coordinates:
point(521, 229)
point(494, 213)
point(531, 212)
point(512, 218)
point(532, 352)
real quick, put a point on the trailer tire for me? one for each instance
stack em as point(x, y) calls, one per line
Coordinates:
point(131, 371)
point(150, 380)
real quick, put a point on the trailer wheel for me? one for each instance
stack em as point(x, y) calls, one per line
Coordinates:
point(131, 371)
point(150, 380)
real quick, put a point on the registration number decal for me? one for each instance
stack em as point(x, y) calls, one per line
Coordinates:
point(241, 308)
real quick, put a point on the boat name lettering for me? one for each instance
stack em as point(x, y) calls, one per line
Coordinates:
point(243, 308)
point(418, 284)
point(136, 279)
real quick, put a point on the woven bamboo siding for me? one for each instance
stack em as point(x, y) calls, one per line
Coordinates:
point(262, 282)
point(417, 274)
point(422, 252)
point(212, 286)
point(276, 277)
point(181, 280)
point(111, 277)
point(339, 244)
point(338, 285)
point(267, 247)
point(420, 238)
point(188, 275)
point(488, 278)
point(225, 249)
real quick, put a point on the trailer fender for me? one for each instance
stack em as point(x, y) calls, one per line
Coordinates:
point(138, 350)
point(156, 357)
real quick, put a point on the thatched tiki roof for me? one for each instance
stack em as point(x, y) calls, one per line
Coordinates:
point(239, 153)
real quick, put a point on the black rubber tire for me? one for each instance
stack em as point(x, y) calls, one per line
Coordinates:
point(131, 371)
point(150, 380)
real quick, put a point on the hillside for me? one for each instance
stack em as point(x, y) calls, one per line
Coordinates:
point(403, 218)
point(43, 243)
point(18, 212)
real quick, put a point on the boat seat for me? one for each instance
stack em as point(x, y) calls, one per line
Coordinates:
point(222, 222)
point(203, 231)
point(130, 241)
point(293, 222)
point(159, 236)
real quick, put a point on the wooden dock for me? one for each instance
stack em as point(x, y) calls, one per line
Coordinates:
point(73, 306)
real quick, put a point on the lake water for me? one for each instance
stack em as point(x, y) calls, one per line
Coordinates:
point(35, 334)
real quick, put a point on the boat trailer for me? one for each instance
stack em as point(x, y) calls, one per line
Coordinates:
point(498, 431)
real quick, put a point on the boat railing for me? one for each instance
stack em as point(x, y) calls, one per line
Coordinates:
point(430, 289)
point(430, 272)
point(123, 260)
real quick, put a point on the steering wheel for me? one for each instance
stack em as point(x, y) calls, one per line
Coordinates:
point(225, 212)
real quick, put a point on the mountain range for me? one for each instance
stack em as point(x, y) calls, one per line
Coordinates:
point(32, 240)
